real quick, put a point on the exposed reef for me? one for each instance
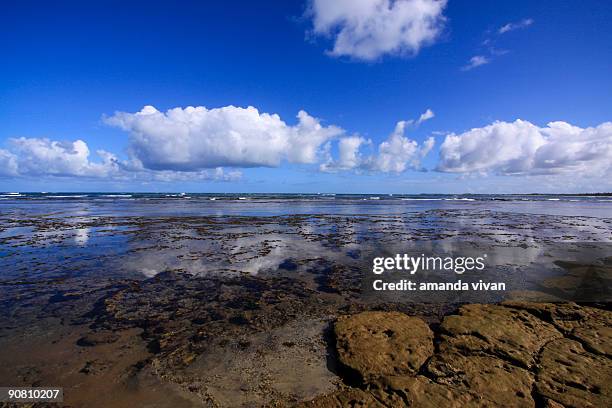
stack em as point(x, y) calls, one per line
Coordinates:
point(514, 354)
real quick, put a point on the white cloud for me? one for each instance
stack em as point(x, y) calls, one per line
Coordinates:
point(522, 148)
point(515, 26)
point(348, 151)
point(395, 155)
point(398, 153)
point(476, 61)
point(368, 29)
point(41, 157)
point(425, 116)
point(492, 51)
point(428, 114)
point(196, 138)
point(8, 163)
point(195, 143)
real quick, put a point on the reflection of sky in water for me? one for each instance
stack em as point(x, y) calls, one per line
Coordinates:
point(53, 241)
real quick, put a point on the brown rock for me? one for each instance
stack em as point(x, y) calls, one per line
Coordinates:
point(597, 337)
point(574, 377)
point(593, 327)
point(400, 392)
point(423, 393)
point(383, 343)
point(352, 397)
point(517, 354)
point(511, 334)
point(489, 377)
point(552, 404)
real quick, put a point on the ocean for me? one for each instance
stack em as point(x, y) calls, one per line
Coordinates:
point(176, 204)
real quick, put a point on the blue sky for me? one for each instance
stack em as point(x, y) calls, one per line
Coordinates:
point(67, 67)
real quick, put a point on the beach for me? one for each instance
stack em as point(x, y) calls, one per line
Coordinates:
point(235, 300)
point(306, 203)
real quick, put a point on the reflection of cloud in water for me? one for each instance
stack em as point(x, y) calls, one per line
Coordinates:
point(232, 245)
point(280, 248)
point(81, 236)
point(262, 245)
point(247, 254)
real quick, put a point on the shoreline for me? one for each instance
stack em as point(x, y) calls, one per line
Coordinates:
point(232, 311)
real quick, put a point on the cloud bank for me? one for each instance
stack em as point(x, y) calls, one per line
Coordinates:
point(369, 29)
point(197, 143)
point(522, 148)
point(195, 138)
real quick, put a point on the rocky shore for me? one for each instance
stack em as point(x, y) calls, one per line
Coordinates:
point(278, 342)
point(513, 355)
point(271, 311)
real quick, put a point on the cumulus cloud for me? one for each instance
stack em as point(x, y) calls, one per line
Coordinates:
point(368, 29)
point(522, 148)
point(43, 157)
point(476, 61)
point(196, 143)
point(348, 151)
point(195, 138)
point(40, 157)
point(398, 153)
point(394, 155)
point(190, 144)
point(515, 26)
point(8, 163)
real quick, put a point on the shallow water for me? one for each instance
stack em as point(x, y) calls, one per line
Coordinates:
point(138, 237)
